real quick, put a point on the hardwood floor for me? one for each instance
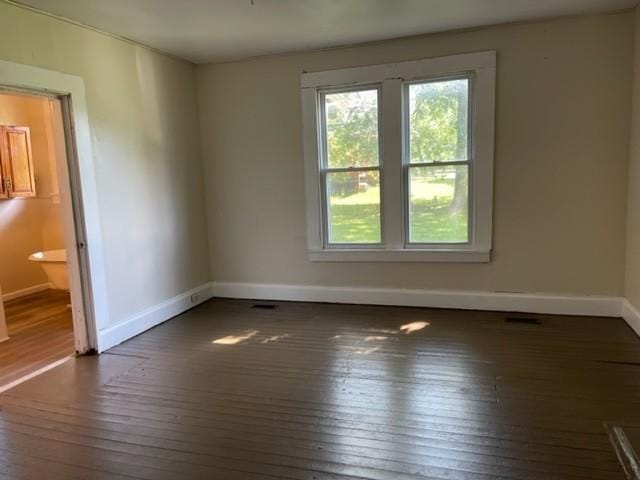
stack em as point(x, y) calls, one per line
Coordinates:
point(40, 331)
point(311, 391)
point(633, 436)
point(626, 441)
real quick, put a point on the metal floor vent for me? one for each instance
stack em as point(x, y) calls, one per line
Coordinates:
point(523, 320)
point(263, 306)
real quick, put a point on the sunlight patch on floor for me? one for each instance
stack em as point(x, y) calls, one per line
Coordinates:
point(413, 327)
point(275, 338)
point(367, 351)
point(383, 330)
point(235, 339)
point(375, 338)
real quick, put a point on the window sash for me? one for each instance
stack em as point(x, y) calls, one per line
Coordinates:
point(322, 120)
point(325, 170)
point(469, 76)
point(407, 204)
point(325, 210)
point(407, 165)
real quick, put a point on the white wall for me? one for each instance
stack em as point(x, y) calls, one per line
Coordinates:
point(562, 130)
point(144, 128)
point(632, 277)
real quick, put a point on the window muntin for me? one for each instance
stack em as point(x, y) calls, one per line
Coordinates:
point(437, 131)
point(350, 167)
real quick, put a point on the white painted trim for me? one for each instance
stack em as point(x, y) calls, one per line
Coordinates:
point(31, 375)
point(390, 80)
point(392, 187)
point(465, 300)
point(90, 266)
point(25, 291)
point(406, 70)
point(150, 317)
point(313, 195)
point(407, 255)
point(631, 315)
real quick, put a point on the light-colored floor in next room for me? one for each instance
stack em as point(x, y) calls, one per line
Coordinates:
point(41, 332)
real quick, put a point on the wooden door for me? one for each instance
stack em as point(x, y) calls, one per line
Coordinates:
point(18, 161)
point(4, 192)
point(4, 335)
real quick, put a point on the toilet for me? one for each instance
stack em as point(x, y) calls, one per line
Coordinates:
point(54, 264)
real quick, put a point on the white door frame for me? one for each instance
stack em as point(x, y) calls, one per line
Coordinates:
point(78, 193)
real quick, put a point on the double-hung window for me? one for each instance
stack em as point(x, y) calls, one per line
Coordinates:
point(399, 160)
point(350, 166)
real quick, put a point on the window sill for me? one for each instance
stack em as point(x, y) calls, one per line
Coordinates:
point(372, 255)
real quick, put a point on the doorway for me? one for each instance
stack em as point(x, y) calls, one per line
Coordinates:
point(41, 279)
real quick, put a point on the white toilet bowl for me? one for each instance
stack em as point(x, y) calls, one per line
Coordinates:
point(54, 264)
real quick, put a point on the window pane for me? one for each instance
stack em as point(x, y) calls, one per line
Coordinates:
point(354, 207)
point(352, 129)
point(438, 121)
point(439, 204)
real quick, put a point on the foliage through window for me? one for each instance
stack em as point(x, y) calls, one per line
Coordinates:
point(438, 116)
point(352, 167)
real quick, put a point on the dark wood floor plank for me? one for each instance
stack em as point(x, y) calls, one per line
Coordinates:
point(25, 465)
point(296, 431)
point(309, 391)
point(364, 455)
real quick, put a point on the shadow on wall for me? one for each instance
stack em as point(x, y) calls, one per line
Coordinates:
point(163, 181)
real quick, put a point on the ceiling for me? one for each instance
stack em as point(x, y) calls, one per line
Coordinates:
point(221, 30)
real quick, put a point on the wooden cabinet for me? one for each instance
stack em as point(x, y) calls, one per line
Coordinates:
point(4, 192)
point(16, 163)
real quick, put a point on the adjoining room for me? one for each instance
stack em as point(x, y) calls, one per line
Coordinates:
point(33, 276)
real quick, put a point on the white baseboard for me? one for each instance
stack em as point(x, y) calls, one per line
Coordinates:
point(153, 316)
point(631, 315)
point(458, 299)
point(25, 291)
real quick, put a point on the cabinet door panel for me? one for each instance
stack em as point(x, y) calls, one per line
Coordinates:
point(3, 155)
point(19, 161)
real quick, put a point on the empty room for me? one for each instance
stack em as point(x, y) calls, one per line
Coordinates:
point(313, 239)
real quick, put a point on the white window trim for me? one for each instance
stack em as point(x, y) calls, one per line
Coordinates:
point(481, 67)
